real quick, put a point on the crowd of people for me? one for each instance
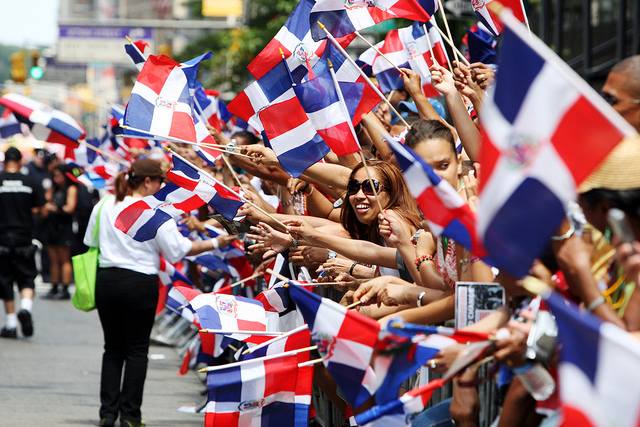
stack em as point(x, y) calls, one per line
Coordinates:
point(351, 221)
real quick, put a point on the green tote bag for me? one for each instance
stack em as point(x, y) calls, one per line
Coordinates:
point(85, 268)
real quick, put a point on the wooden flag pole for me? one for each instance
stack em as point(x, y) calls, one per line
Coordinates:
point(446, 26)
point(453, 46)
point(353, 132)
point(243, 332)
point(357, 33)
point(354, 305)
point(245, 362)
point(275, 339)
point(426, 33)
point(105, 153)
point(171, 139)
point(246, 279)
point(364, 76)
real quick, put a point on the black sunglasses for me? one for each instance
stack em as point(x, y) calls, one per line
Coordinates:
point(367, 188)
point(610, 99)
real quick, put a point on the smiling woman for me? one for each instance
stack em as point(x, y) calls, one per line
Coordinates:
point(360, 216)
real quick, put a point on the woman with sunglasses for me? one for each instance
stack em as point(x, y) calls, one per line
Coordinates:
point(360, 217)
point(127, 290)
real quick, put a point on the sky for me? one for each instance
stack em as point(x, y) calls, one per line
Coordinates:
point(29, 22)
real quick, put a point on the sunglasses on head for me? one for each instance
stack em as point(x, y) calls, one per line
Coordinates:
point(367, 186)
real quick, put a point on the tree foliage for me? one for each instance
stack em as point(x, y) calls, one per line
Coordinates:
point(234, 49)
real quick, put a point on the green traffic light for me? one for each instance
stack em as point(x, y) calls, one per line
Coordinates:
point(36, 73)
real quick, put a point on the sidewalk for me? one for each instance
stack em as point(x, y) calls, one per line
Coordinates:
point(53, 378)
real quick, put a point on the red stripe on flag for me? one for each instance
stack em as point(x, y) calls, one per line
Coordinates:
point(489, 155)
point(282, 117)
point(130, 215)
point(155, 72)
point(392, 43)
point(181, 180)
point(249, 325)
point(280, 375)
point(241, 106)
point(183, 127)
point(583, 139)
point(193, 202)
point(268, 58)
point(358, 328)
point(340, 139)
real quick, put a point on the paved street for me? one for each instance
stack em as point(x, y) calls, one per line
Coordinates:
point(52, 379)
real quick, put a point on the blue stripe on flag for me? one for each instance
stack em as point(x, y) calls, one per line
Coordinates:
point(64, 128)
point(225, 385)
point(308, 303)
point(298, 21)
point(228, 208)
point(316, 94)
point(351, 383)
point(532, 199)
point(296, 161)
point(518, 67)
point(209, 317)
point(150, 228)
point(337, 22)
point(391, 79)
point(277, 414)
point(140, 113)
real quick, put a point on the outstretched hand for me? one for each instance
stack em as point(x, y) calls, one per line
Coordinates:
point(260, 154)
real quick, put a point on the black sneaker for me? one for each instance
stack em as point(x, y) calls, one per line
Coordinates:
point(107, 422)
point(8, 332)
point(129, 423)
point(26, 323)
point(63, 294)
point(52, 294)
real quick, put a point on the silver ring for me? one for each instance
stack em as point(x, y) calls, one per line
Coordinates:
point(433, 364)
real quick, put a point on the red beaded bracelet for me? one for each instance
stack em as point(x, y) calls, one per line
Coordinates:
point(422, 259)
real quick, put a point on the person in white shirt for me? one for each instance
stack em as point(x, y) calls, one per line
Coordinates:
point(127, 290)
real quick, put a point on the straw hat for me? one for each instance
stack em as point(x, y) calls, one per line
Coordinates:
point(619, 171)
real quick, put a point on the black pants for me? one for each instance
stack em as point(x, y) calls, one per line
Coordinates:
point(126, 302)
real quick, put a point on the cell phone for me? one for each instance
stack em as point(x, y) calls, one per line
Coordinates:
point(620, 225)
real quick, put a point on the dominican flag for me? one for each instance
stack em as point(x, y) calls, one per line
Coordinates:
point(161, 99)
point(261, 392)
point(135, 50)
point(342, 18)
point(367, 58)
point(482, 45)
point(208, 105)
point(204, 187)
point(409, 47)
point(229, 314)
point(292, 136)
point(84, 156)
point(411, 402)
point(598, 369)
point(170, 275)
point(345, 339)
point(443, 208)
point(491, 20)
point(537, 147)
point(358, 96)
point(9, 125)
point(409, 330)
point(301, 338)
point(328, 113)
point(47, 124)
point(397, 358)
point(179, 301)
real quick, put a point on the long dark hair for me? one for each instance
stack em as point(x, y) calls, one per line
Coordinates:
point(125, 183)
point(400, 200)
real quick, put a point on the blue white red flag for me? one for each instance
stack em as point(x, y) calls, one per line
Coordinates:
point(261, 392)
point(409, 47)
point(443, 208)
point(292, 136)
point(531, 164)
point(397, 358)
point(398, 327)
point(84, 156)
point(208, 105)
point(345, 340)
point(9, 125)
point(161, 99)
point(135, 50)
point(204, 187)
point(328, 113)
point(598, 370)
point(343, 18)
point(301, 338)
point(358, 95)
point(170, 275)
point(411, 402)
point(491, 20)
point(367, 58)
point(482, 45)
point(46, 123)
point(179, 301)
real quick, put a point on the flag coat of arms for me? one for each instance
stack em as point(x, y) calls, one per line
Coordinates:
point(545, 131)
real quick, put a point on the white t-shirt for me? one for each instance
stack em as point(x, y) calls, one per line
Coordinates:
point(117, 249)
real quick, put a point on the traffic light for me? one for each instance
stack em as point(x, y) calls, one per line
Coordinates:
point(35, 72)
point(18, 70)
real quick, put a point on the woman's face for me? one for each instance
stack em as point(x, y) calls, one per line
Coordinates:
point(364, 205)
point(438, 154)
point(58, 178)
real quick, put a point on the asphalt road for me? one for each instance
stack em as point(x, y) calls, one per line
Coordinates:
point(53, 378)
